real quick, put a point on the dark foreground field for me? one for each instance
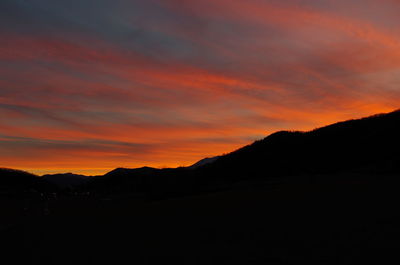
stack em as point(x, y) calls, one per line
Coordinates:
point(319, 220)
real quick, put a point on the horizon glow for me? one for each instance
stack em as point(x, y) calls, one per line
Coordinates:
point(91, 85)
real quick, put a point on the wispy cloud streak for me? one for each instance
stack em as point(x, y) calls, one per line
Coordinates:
point(164, 83)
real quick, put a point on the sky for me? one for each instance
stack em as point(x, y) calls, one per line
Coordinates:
point(90, 85)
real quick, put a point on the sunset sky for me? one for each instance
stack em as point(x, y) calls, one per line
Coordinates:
point(90, 85)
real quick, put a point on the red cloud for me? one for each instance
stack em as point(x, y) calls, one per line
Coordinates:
point(266, 67)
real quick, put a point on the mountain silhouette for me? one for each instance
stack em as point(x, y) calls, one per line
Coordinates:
point(327, 196)
point(129, 171)
point(368, 145)
point(16, 180)
point(204, 161)
point(66, 180)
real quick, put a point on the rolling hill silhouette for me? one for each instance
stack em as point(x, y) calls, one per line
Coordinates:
point(327, 196)
point(66, 180)
point(16, 180)
point(370, 145)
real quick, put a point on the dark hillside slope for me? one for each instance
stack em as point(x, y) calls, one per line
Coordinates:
point(66, 180)
point(16, 180)
point(143, 180)
point(369, 145)
point(346, 216)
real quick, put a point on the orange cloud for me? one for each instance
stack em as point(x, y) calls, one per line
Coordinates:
point(240, 70)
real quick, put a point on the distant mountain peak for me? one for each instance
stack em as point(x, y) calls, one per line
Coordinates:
point(368, 144)
point(204, 161)
point(122, 171)
point(64, 180)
